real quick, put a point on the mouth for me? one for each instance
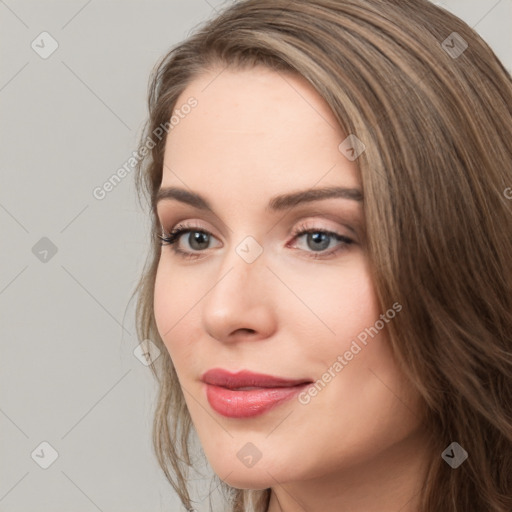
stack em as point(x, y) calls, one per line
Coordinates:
point(246, 380)
point(246, 394)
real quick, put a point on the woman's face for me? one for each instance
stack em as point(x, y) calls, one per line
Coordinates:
point(257, 297)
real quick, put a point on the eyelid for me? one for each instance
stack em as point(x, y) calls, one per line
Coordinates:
point(352, 217)
point(302, 229)
point(309, 223)
point(172, 216)
point(313, 224)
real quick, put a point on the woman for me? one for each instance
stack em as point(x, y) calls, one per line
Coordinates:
point(330, 281)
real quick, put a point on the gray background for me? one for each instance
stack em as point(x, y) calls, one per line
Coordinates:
point(68, 373)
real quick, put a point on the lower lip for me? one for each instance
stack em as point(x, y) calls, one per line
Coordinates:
point(246, 404)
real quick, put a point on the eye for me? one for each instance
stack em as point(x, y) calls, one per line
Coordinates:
point(198, 239)
point(317, 241)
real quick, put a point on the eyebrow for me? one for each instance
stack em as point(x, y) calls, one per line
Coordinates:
point(281, 202)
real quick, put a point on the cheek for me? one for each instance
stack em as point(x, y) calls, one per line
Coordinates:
point(356, 296)
point(368, 374)
point(163, 301)
point(170, 305)
point(346, 303)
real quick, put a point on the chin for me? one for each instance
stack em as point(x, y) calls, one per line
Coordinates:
point(233, 472)
point(246, 479)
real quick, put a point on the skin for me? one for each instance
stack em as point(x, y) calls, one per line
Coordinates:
point(359, 444)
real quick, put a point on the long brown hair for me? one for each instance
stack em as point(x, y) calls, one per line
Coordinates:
point(432, 104)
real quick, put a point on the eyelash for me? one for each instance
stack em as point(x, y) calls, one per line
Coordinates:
point(173, 237)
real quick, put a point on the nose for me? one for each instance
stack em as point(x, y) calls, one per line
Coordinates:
point(240, 304)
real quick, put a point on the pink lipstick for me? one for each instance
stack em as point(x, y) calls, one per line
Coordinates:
point(246, 394)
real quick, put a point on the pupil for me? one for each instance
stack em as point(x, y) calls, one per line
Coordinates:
point(317, 237)
point(200, 238)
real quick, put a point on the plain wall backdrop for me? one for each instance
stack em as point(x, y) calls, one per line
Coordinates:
point(70, 118)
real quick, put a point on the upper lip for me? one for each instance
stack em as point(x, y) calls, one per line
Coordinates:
point(246, 378)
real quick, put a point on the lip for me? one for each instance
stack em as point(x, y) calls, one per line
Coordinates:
point(223, 395)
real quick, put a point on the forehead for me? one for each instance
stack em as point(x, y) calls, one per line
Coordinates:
point(270, 131)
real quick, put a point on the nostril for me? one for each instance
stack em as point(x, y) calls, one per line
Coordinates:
point(244, 330)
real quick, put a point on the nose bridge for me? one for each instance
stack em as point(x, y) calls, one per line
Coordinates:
point(240, 298)
point(241, 273)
